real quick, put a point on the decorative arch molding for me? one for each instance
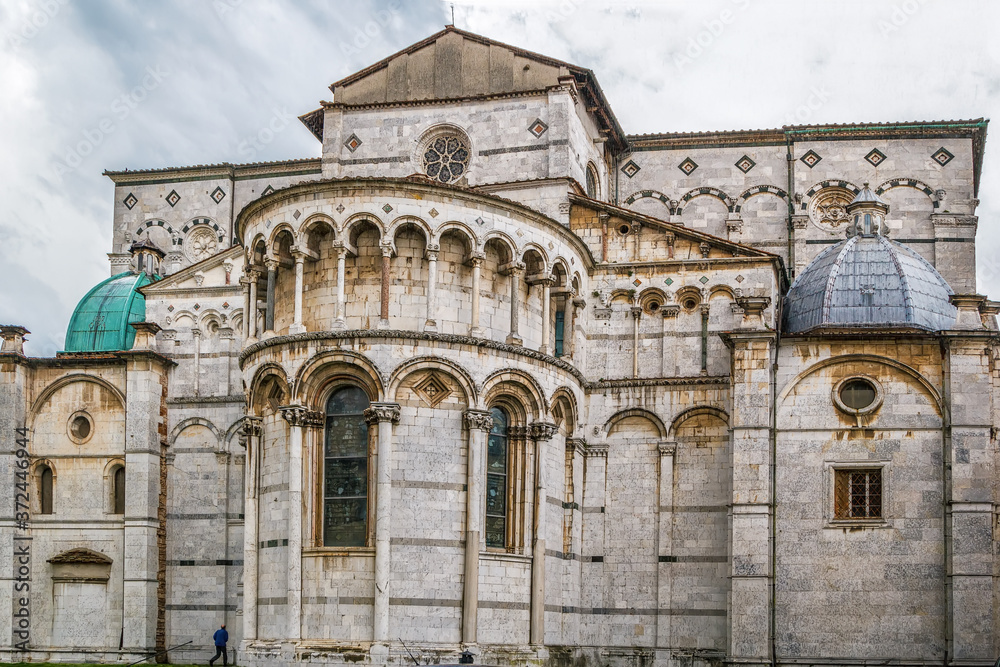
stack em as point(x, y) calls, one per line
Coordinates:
point(830, 183)
point(315, 220)
point(870, 358)
point(446, 366)
point(65, 381)
point(204, 222)
point(636, 412)
point(265, 371)
point(534, 247)
point(623, 294)
point(758, 190)
point(347, 227)
point(696, 411)
point(273, 238)
point(315, 375)
point(114, 462)
point(497, 382)
point(463, 229)
point(721, 290)
point(726, 200)
point(909, 183)
point(649, 194)
point(174, 235)
point(194, 421)
point(409, 221)
point(564, 395)
point(509, 244)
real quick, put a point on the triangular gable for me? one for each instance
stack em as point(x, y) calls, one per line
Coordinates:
point(679, 231)
point(211, 268)
point(455, 64)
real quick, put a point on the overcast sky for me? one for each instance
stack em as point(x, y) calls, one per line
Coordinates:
point(88, 85)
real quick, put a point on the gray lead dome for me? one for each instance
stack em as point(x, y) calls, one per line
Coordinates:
point(869, 282)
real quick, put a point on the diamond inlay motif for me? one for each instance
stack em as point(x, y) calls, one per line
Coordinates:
point(630, 169)
point(387, 208)
point(703, 280)
point(811, 159)
point(173, 198)
point(688, 166)
point(669, 281)
point(745, 164)
point(433, 213)
point(353, 143)
point(636, 282)
point(740, 278)
point(538, 128)
point(218, 195)
point(875, 157)
point(340, 208)
point(942, 156)
point(130, 201)
point(297, 214)
point(432, 389)
point(480, 220)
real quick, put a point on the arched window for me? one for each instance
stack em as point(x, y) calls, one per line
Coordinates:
point(593, 189)
point(45, 489)
point(118, 491)
point(345, 469)
point(497, 473)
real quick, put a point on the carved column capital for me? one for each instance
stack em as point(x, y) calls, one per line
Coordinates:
point(513, 269)
point(252, 426)
point(670, 310)
point(476, 259)
point(667, 448)
point(378, 413)
point(300, 415)
point(596, 449)
point(518, 432)
point(479, 420)
point(543, 430)
point(576, 445)
point(636, 311)
point(271, 264)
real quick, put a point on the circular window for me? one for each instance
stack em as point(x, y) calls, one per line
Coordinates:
point(624, 230)
point(446, 158)
point(81, 427)
point(857, 395)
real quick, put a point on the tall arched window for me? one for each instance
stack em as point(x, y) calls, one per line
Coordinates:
point(118, 491)
point(497, 472)
point(593, 185)
point(45, 489)
point(345, 469)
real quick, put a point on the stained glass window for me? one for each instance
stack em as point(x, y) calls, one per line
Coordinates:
point(345, 469)
point(446, 159)
point(497, 450)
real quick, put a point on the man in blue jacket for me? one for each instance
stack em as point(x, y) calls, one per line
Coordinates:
point(221, 637)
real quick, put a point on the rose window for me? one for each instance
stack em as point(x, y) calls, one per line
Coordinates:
point(202, 244)
point(446, 158)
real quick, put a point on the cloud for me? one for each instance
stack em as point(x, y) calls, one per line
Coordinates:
point(665, 66)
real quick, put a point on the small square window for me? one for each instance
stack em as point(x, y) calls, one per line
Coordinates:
point(857, 494)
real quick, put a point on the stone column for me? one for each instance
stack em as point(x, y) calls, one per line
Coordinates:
point(430, 324)
point(226, 334)
point(515, 270)
point(272, 276)
point(668, 365)
point(251, 314)
point(341, 321)
point(547, 283)
point(298, 418)
point(196, 366)
point(636, 315)
point(245, 282)
point(252, 430)
point(385, 415)
point(752, 502)
point(664, 541)
point(579, 303)
point(300, 259)
point(541, 433)
point(383, 321)
point(970, 479)
point(479, 424)
point(477, 263)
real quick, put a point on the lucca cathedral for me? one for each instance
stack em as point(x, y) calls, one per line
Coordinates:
point(494, 377)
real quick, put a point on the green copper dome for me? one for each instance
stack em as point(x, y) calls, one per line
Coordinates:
point(101, 320)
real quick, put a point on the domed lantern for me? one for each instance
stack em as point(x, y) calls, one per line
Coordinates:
point(868, 212)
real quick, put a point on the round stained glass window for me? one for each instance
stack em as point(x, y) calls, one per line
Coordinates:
point(446, 158)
